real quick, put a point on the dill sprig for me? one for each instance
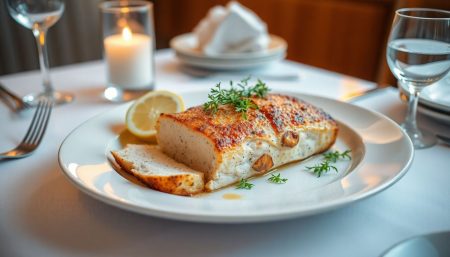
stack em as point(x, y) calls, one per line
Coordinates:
point(329, 158)
point(239, 96)
point(277, 179)
point(244, 184)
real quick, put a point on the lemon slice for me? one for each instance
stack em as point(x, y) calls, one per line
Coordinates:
point(142, 115)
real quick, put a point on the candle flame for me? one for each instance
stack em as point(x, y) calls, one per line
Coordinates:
point(126, 34)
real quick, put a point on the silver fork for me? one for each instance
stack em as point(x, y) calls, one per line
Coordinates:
point(19, 104)
point(35, 132)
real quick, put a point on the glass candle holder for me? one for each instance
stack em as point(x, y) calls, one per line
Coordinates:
point(129, 46)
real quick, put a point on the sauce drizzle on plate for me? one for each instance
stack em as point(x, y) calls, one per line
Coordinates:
point(231, 196)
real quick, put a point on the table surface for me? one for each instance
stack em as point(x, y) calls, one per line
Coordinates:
point(43, 214)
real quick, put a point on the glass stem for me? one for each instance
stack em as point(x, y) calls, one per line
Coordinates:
point(410, 121)
point(41, 40)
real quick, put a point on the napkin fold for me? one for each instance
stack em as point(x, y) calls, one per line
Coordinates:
point(231, 29)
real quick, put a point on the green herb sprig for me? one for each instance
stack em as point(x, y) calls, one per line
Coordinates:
point(336, 155)
point(277, 179)
point(322, 167)
point(244, 184)
point(327, 164)
point(239, 96)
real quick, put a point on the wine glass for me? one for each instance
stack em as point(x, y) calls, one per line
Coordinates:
point(39, 16)
point(418, 54)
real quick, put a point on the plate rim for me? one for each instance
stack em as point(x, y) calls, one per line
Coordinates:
point(229, 65)
point(437, 115)
point(229, 57)
point(438, 85)
point(241, 218)
point(393, 247)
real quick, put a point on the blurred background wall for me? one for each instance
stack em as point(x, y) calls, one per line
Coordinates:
point(346, 36)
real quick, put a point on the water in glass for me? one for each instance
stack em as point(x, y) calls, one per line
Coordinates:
point(419, 61)
point(418, 54)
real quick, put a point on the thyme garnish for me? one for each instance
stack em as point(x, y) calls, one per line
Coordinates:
point(336, 155)
point(322, 167)
point(244, 184)
point(329, 158)
point(277, 179)
point(239, 96)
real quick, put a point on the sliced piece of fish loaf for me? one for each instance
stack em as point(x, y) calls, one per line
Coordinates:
point(158, 171)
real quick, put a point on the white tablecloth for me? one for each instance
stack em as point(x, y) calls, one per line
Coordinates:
point(42, 214)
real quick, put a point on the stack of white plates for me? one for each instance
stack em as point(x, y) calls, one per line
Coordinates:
point(434, 100)
point(188, 53)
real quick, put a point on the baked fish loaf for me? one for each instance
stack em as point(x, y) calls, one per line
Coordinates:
point(226, 147)
point(158, 171)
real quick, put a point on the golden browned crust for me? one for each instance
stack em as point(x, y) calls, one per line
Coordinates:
point(227, 128)
point(174, 184)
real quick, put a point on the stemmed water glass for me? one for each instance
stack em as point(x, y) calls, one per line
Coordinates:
point(39, 16)
point(418, 54)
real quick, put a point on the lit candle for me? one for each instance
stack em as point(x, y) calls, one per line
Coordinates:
point(129, 60)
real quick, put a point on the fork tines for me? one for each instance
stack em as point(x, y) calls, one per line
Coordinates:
point(39, 123)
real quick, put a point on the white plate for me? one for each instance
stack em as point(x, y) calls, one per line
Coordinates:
point(437, 95)
point(187, 51)
point(431, 245)
point(228, 65)
point(381, 155)
point(438, 115)
point(436, 110)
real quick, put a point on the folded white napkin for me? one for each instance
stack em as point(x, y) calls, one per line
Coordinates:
point(231, 29)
